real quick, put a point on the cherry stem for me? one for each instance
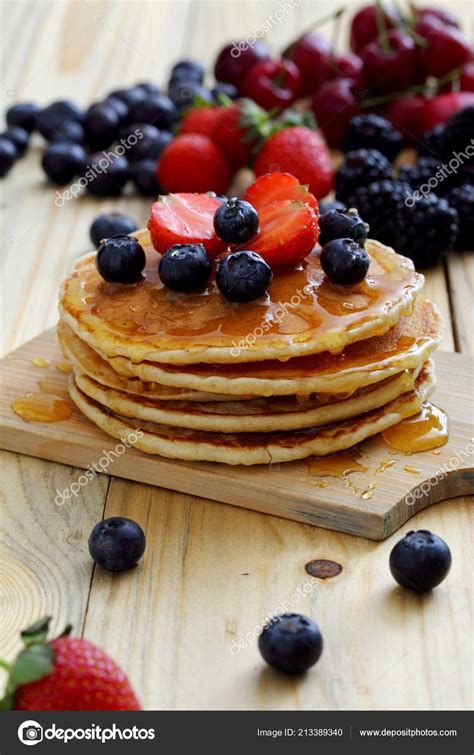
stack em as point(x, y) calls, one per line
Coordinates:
point(5, 665)
point(333, 16)
point(381, 27)
point(415, 89)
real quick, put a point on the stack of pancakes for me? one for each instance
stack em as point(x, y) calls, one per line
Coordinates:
point(311, 369)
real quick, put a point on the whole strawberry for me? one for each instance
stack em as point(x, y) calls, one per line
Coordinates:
point(232, 130)
point(67, 673)
point(193, 163)
point(302, 152)
point(201, 120)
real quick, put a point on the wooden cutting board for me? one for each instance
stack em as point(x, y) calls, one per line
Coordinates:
point(369, 502)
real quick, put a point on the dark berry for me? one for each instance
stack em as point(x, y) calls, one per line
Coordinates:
point(291, 643)
point(120, 259)
point(130, 97)
point(117, 543)
point(144, 178)
point(184, 93)
point(23, 115)
point(185, 268)
point(223, 90)
point(106, 176)
point(344, 261)
point(17, 136)
point(432, 143)
point(372, 132)
point(148, 87)
point(53, 116)
point(119, 106)
point(111, 224)
point(330, 204)
point(337, 224)
point(459, 130)
point(191, 70)
point(156, 109)
point(420, 561)
point(8, 155)
point(62, 161)
point(68, 131)
point(243, 276)
point(236, 221)
point(461, 199)
point(425, 228)
point(145, 141)
point(427, 174)
point(379, 204)
point(362, 167)
point(101, 124)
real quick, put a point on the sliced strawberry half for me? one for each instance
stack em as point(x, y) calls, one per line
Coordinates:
point(274, 187)
point(185, 219)
point(288, 233)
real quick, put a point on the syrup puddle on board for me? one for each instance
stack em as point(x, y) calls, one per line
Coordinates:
point(425, 431)
point(335, 465)
point(42, 407)
point(41, 362)
point(64, 366)
point(53, 385)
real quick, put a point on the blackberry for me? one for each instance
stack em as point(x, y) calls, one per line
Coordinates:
point(372, 132)
point(379, 204)
point(432, 143)
point(459, 130)
point(461, 199)
point(429, 173)
point(425, 229)
point(362, 167)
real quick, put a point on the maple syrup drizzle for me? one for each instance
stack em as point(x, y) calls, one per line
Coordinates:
point(64, 366)
point(425, 431)
point(41, 362)
point(42, 407)
point(385, 464)
point(53, 386)
point(335, 465)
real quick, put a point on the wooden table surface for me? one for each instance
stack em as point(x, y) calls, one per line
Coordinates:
point(211, 573)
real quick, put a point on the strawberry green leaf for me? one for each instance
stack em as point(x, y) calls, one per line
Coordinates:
point(37, 632)
point(33, 663)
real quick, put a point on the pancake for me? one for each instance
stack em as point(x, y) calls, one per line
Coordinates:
point(304, 313)
point(257, 415)
point(256, 448)
point(406, 346)
point(87, 362)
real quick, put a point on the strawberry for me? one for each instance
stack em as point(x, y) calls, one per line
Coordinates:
point(185, 219)
point(229, 134)
point(193, 163)
point(65, 674)
point(201, 120)
point(273, 187)
point(303, 153)
point(288, 233)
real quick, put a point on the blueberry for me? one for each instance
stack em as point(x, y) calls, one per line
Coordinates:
point(147, 141)
point(191, 70)
point(144, 177)
point(130, 97)
point(62, 161)
point(291, 643)
point(185, 267)
point(330, 204)
point(344, 261)
point(420, 561)
point(23, 115)
point(106, 177)
point(184, 94)
point(337, 224)
point(117, 543)
point(101, 124)
point(148, 87)
point(111, 224)
point(17, 136)
point(120, 259)
point(53, 116)
point(119, 106)
point(68, 131)
point(156, 109)
point(236, 221)
point(8, 155)
point(222, 90)
point(243, 276)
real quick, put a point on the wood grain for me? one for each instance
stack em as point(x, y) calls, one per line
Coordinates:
point(211, 573)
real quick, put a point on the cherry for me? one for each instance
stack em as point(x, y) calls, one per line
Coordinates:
point(273, 83)
point(364, 26)
point(312, 56)
point(348, 66)
point(466, 79)
point(393, 69)
point(447, 48)
point(405, 113)
point(438, 109)
point(333, 106)
point(443, 15)
point(235, 59)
